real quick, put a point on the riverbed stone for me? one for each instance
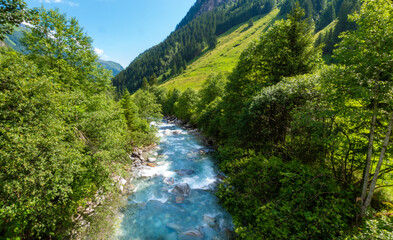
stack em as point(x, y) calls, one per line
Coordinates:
point(169, 180)
point(183, 189)
point(180, 199)
point(184, 172)
point(191, 233)
point(174, 226)
point(151, 164)
point(122, 181)
point(209, 220)
point(151, 159)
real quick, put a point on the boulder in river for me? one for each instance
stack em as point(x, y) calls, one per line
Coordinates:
point(169, 180)
point(151, 164)
point(174, 226)
point(180, 199)
point(191, 233)
point(183, 189)
point(184, 172)
point(151, 159)
point(209, 220)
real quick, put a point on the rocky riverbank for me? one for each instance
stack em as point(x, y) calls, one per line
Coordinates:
point(173, 197)
point(100, 214)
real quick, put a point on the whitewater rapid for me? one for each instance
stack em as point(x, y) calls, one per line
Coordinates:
point(156, 210)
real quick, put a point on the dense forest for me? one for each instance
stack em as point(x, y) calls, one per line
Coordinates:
point(62, 134)
point(306, 147)
point(196, 33)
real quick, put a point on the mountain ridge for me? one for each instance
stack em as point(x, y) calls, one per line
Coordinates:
point(200, 7)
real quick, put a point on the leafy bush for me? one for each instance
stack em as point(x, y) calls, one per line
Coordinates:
point(271, 199)
point(375, 228)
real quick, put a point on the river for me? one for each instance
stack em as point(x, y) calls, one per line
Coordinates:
point(163, 207)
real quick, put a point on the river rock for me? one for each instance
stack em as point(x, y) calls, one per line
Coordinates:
point(174, 226)
point(184, 172)
point(180, 199)
point(151, 159)
point(122, 181)
point(155, 154)
point(183, 189)
point(191, 233)
point(169, 180)
point(209, 220)
point(151, 164)
point(213, 186)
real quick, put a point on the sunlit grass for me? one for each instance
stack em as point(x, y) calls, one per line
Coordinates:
point(224, 57)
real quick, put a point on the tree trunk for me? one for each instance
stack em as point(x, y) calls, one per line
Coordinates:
point(380, 161)
point(366, 174)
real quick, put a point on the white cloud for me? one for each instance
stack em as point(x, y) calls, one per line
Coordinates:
point(99, 51)
point(72, 4)
point(101, 54)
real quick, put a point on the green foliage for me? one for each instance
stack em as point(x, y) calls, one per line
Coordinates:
point(130, 111)
point(209, 120)
point(57, 148)
point(285, 50)
point(147, 105)
point(145, 84)
point(266, 122)
point(57, 39)
point(186, 105)
point(270, 199)
point(169, 105)
point(380, 228)
point(61, 133)
point(211, 89)
point(12, 13)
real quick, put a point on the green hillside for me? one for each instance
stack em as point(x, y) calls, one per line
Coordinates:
point(111, 66)
point(224, 57)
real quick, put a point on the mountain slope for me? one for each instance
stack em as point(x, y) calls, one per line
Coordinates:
point(204, 28)
point(170, 57)
point(201, 6)
point(111, 66)
point(224, 57)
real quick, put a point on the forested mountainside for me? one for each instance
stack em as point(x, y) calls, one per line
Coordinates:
point(201, 6)
point(14, 41)
point(111, 66)
point(200, 32)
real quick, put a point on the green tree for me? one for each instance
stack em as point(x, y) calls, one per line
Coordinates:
point(212, 88)
point(169, 105)
point(130, 111)
point(147, 105)
point(285, 50)
point(145, 84)
point(186, 106)
point(56, 39)
point(366, 56)
point(12, 13)
point(153, 80)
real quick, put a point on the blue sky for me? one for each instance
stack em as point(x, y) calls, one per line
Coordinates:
point(122, 29)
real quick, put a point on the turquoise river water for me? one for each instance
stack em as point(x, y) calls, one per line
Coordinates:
point(175, 199)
